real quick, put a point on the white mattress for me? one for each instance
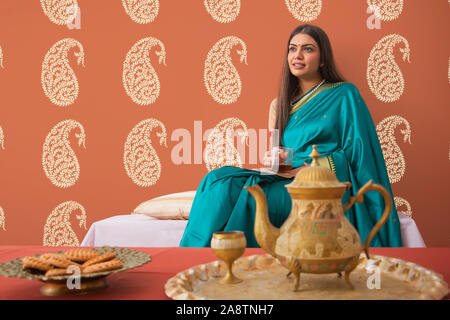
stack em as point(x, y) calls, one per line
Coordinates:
point(135, 230)
point(139, 230)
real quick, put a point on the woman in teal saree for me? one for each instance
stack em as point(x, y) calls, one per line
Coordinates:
point(328, 112)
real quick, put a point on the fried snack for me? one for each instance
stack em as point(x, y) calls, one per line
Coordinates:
point(104, 266)
point(60, 261)
point(56, 272)
point(46, 256)
point(81, 255)
point(101, 258)
point(36, 263)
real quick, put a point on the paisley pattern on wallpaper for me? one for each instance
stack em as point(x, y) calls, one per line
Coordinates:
point(388, 10)
point(221, 78)
point(2, 212)
point(140, 159)
point(383, 74)
point(59, 11)
point(223, 11)
point(1, 57)
point(139, 78)
point(304, 10)
point(58, 230)
point(141, 11)
point(215, 67)
point(393, 156)
point(403, 206)
point(2, 138)
point(58, 158)
point(2, 219)
point(220, 150)
point(57, 78)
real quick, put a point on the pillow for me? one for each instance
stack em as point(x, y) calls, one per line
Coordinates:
point(174, 206)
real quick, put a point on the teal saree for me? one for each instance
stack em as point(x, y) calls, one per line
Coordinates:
point(337, 120)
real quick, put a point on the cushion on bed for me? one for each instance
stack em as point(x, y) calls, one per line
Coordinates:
point(174, 206)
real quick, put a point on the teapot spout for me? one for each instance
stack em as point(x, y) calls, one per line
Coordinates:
point(265, 233)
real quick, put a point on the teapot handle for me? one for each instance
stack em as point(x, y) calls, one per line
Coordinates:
point(359, 197)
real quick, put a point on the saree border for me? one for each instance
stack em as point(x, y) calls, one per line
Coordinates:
point(307, 98)
point(331, 163)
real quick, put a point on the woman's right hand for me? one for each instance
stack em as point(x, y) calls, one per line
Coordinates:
point(267, 159)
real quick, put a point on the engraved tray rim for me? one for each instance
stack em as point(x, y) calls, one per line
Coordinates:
point(179, 287)
point(130, 259)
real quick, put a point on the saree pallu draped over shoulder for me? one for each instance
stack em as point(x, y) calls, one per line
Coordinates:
point(337, 120)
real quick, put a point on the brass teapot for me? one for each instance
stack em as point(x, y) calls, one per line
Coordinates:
point(316, 237)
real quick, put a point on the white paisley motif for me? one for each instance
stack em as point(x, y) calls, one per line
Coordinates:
point(1, 57)
point(2, 138)
point(399, 201)
point(139, 78)
point(58, 10)
point(57, 78)
point(383, 74)
point(58, 159)
point(223, 11)
point(140, 159)
point(393, 156)
point(141, 11)
point(58, 231)
point(304, 10)
point(2, 218)
point(221, 78)
point(388, 10)
point(220, 150)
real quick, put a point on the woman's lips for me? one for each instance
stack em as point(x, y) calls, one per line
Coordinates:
point(298, 66)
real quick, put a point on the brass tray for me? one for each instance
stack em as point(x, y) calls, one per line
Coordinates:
point(57, 285)
point(265, 279)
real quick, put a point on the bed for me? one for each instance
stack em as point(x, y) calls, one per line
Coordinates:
point(160, 222)
point(135, 230)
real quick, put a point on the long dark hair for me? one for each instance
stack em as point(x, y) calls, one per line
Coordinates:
point(289, 85)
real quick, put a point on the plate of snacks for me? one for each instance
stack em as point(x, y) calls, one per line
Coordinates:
point(61, 270)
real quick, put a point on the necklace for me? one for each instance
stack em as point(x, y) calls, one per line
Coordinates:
point(317, 87)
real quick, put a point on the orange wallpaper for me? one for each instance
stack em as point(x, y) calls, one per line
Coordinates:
point(88, 112)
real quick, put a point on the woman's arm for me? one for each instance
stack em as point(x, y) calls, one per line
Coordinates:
point(267, 158)
point(271, 125)
point(272, 120)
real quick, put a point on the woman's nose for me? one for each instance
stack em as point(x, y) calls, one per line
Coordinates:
point(299, 54)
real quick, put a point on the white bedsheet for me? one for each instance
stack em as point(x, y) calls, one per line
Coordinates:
point(411, 236)
point(139, 230)
point(135, 230)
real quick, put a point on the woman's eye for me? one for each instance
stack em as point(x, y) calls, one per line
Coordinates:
point(291, 48)
point(308, 49)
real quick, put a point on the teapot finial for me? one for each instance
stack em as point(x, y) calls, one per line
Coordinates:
point(314, 155)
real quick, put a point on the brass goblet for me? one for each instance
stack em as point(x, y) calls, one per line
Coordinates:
point(228, 246)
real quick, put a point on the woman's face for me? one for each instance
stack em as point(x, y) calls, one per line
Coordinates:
point(304, 56)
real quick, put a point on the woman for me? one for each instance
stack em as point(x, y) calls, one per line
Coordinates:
point(314, 106)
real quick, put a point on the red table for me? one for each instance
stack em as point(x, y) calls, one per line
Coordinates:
point(147, 282)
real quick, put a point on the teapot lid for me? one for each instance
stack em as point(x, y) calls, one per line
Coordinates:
point(315, 175)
